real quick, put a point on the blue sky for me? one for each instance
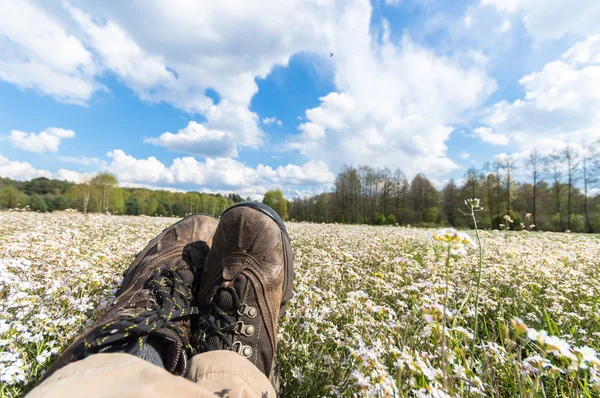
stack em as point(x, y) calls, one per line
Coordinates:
point(230, 96)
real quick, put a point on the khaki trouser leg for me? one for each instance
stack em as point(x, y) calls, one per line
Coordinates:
point(213, 374)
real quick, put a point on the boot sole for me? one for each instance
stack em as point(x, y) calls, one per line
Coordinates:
point(288, 286)
point(138, 258)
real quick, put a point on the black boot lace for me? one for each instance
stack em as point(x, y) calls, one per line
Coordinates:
point(171, 301)
point(218, 322)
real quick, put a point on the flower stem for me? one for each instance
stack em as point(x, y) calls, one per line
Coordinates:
point(444, 360)
point(480, 265)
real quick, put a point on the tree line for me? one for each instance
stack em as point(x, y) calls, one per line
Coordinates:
point(558, 192)
point(102, 194)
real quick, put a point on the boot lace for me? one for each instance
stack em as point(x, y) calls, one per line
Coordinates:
point(171, 301)
point(218, 322)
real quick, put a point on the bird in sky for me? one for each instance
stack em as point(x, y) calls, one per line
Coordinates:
point(330, 55)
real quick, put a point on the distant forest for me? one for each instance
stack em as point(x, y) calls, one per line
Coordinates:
point(559, 192)
point(562, 194)
point(102, 194)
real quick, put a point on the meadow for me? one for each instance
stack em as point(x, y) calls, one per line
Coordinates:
point(378, 311)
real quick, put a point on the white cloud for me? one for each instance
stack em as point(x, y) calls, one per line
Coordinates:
point(83, 160)
point(237, 120)
point(312, 172)
point(72, 176)
point(394, 103)
point(146, 74)
point(37, 52)
point(584, 52)
point(227, 127)
point(173, 54)
point(25, 171)
point(216, 174)
point(486, 134)
point(46, 141)
point(196, 139)
point(561, 103)
point(552, 19)
point(269, 120)
point(465, 155)
point(20, 170)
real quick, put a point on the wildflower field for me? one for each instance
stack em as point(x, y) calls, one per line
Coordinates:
point(378, 311)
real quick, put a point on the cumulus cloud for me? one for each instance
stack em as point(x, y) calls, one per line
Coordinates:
point(486, 134)
point(190, 48)
point(36, 52)
point(20, 170)
point(584, 52)
point(394, 105)
point(72, 176)
point(394, 102)
point(46, 141)
point(26, 171)
point(561, 102)
point(196, 139)
point(312, 172)
point(552, 19)
point(216, 174)
point(269, 120)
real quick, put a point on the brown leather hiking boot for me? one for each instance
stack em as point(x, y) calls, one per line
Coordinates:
point(246, 283)
point(155, 299)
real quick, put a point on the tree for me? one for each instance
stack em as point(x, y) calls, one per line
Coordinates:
point(497, 169)
point(275, 200)
point(347, 193)
point(36, 203)
point(534, 164)
point(471, 182)
point(424, 199)
point(116, 202)
point(570, 156)
point(104, 183)
point(11, 198)
point(590, 169)
point(449, 207)
point(87, 190)
point(235, 198)
point(553, 163)
point(400, 195)
point(507, 164)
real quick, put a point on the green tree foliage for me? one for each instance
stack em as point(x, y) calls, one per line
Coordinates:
point(36, 203)
point(362, 193)
point(104, 184)
point(11, 198)
point(102, 193)
point(277, 202)
point(235, 198)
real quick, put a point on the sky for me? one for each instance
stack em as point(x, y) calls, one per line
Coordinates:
point(247, 96)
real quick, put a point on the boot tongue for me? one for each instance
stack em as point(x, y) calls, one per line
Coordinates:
point(225, 302)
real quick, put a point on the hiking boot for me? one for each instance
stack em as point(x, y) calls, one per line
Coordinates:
point(154, 300)
point(246, 283)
